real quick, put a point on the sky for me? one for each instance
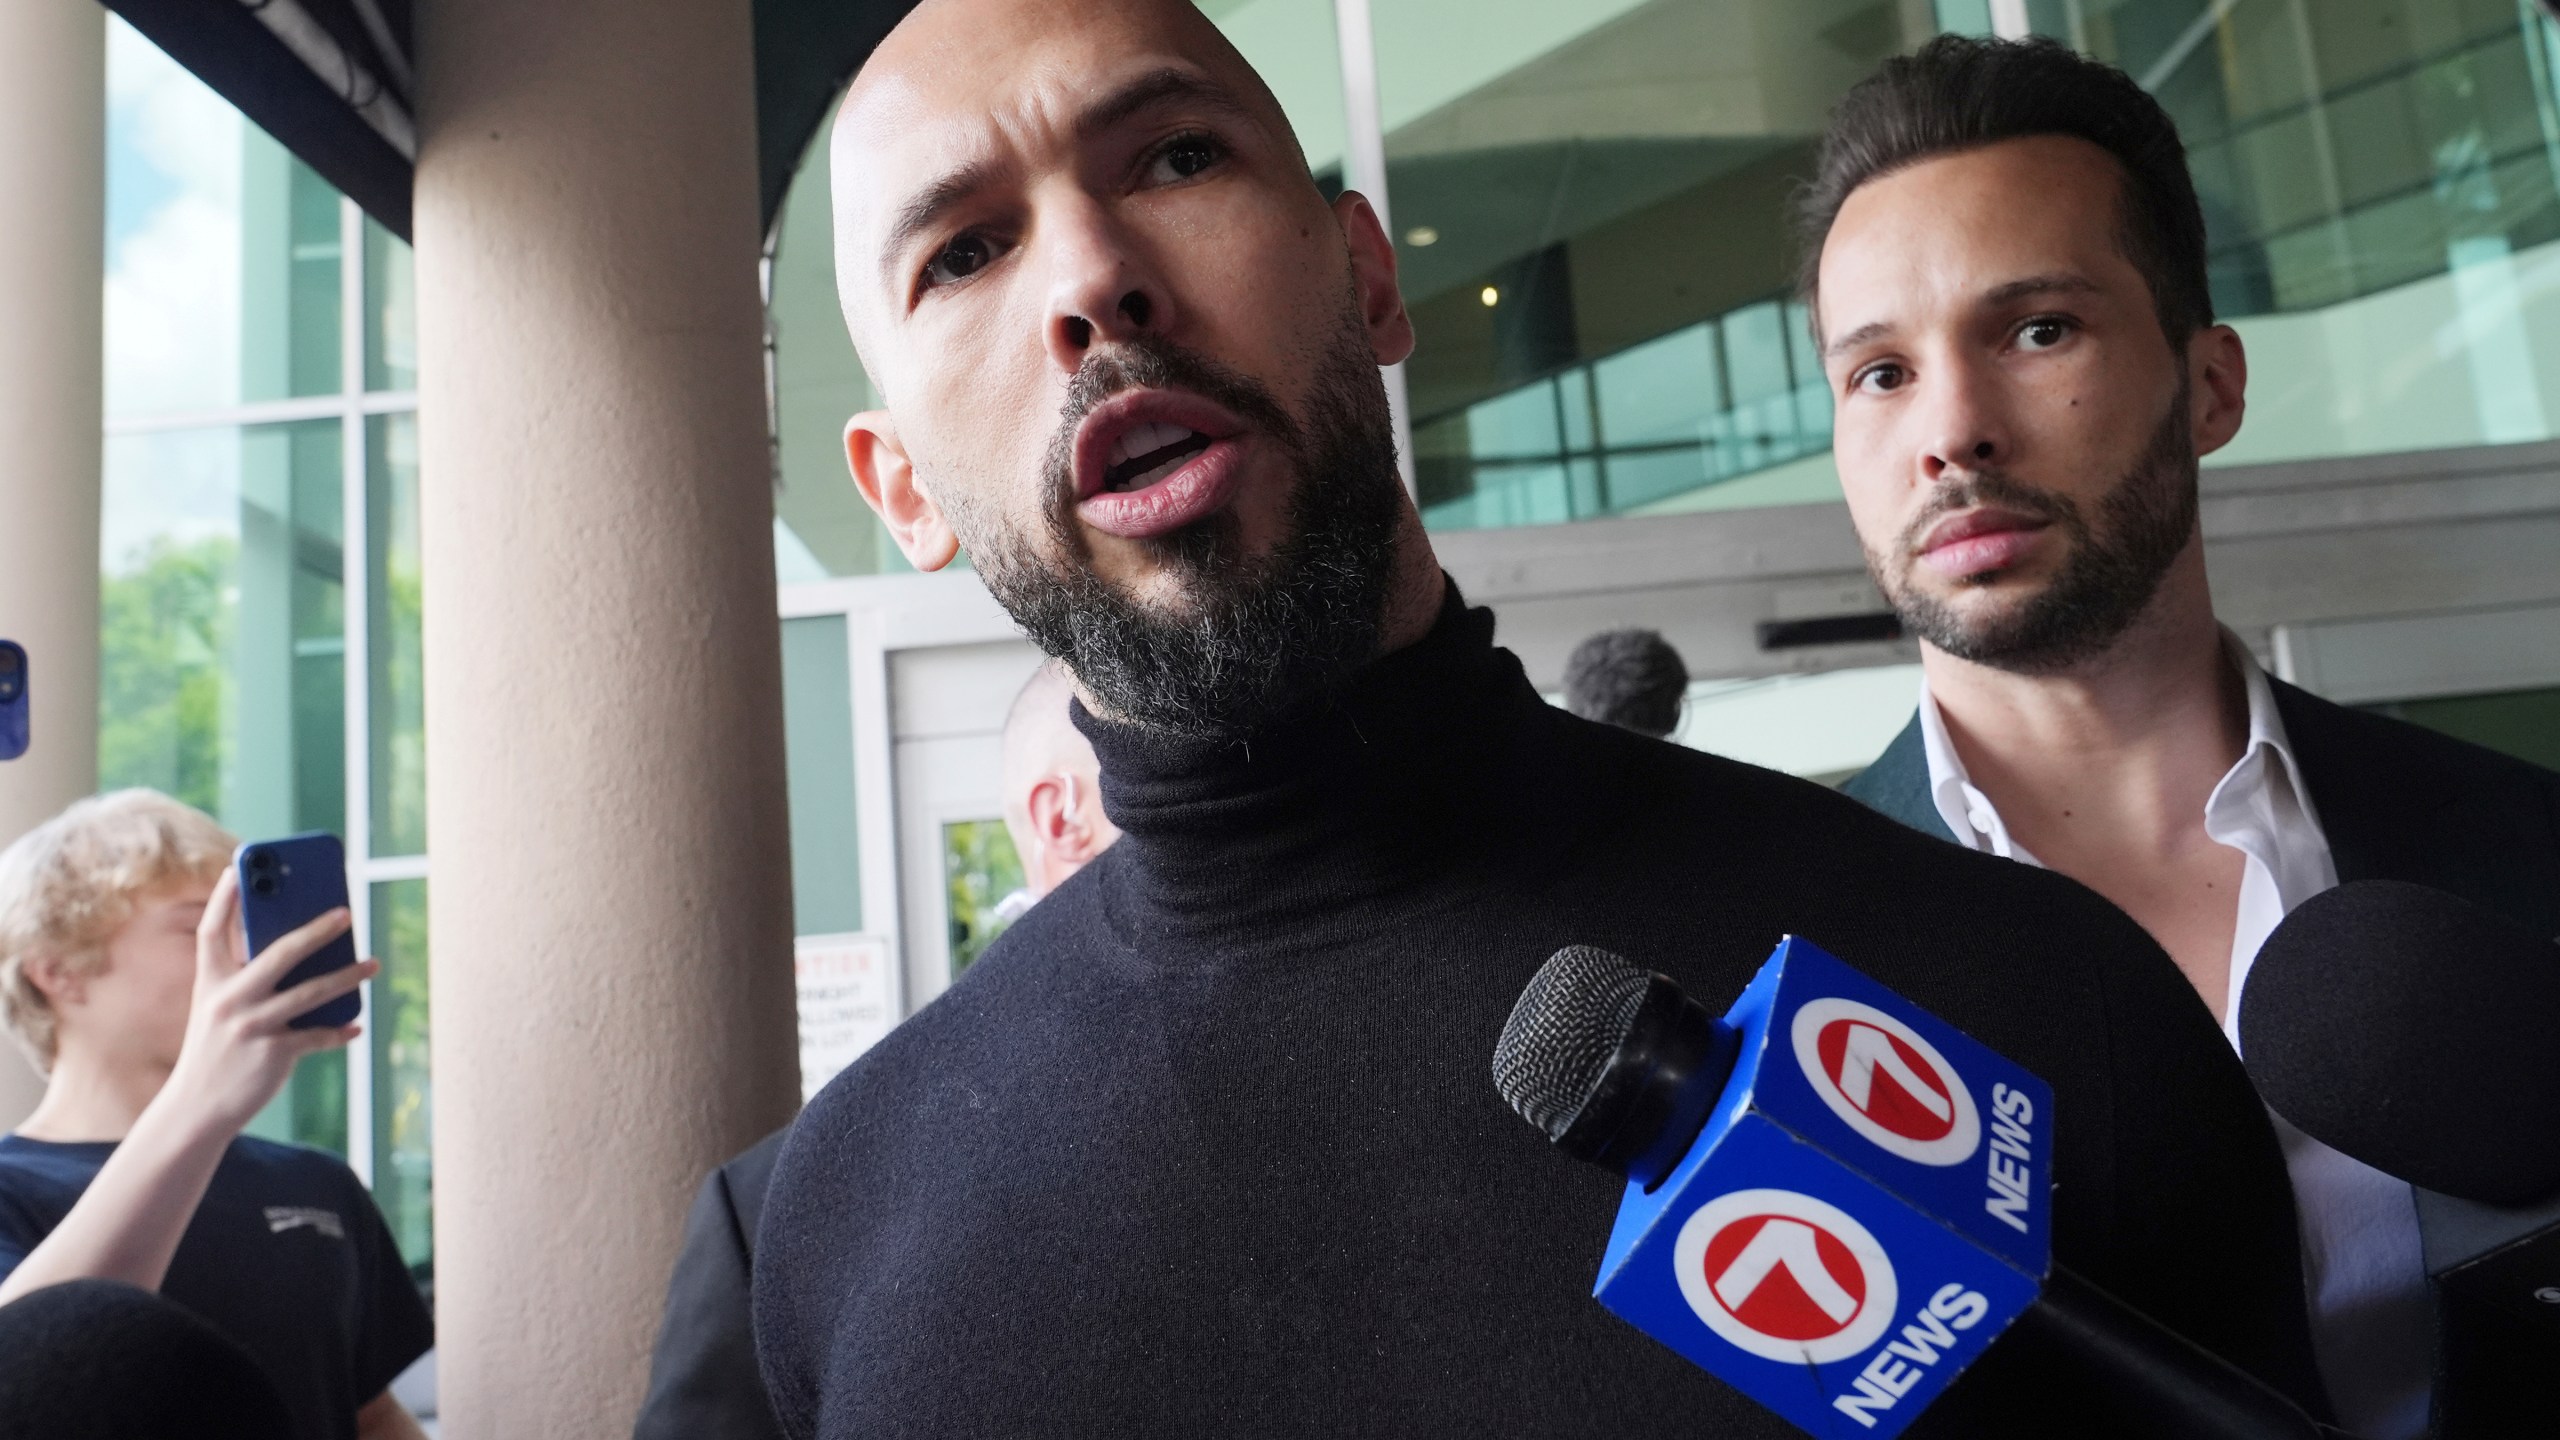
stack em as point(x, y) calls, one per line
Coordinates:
point(172, 296)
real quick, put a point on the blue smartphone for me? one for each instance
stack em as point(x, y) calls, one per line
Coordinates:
point(13, 700)
point(285, 885)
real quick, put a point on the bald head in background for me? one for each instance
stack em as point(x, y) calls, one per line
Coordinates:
point(1052, 785)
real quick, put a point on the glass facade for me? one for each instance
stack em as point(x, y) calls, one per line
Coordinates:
point(259, 559)
point(979, 869)
point(396, 1032)
point(1590, 207)
point(2378, 179)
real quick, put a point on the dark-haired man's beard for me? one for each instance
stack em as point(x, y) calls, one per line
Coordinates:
point(1257, 636)
point(2110, 571)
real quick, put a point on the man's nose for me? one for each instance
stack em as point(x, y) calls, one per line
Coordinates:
point(1962, 425)
point(1101, 288)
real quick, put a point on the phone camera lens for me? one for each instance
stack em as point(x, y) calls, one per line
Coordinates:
point(263, 884)
point(261, 862)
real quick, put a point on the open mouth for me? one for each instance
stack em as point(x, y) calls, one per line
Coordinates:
point(1151, 461)
point(1148, 453)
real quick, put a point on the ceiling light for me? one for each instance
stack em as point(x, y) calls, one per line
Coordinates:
point(1490, 296)
point(1421, 235)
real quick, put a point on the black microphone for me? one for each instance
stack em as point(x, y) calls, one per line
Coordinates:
point(2420, 1034)
point(1729, 1132)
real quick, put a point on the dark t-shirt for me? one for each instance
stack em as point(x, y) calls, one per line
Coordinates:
point(286, 1255)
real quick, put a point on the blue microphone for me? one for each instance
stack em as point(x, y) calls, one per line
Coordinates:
point(1835, 1200)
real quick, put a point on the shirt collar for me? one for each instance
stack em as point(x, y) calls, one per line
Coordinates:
point(1966, 811)
point(2266, 745)
point(1976, 824)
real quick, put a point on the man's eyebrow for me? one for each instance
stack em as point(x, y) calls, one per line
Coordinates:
point(2007, 293)
point(927, 206)
point(1855, 338)
point(1165, 86)
point(2061, 282)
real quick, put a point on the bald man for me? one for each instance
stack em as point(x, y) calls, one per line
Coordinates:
point(1204, 1143)
point(1052, 785)
point(703, 1383)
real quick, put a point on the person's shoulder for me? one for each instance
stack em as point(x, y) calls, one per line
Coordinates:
point(1031, 980)
point(32, 1167)
point(1682, 786)
point(39, 1181)
point(302, 1168)
point(2388, 747)
point(1678, 812)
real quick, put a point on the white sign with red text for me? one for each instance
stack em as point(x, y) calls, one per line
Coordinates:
point(848, 1000)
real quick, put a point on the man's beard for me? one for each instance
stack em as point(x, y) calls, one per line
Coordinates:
point(1257, 637)
point(2108, 576)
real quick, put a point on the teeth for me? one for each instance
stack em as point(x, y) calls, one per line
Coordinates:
point(1147, 439)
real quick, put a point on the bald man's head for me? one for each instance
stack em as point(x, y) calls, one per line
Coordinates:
point(1040, 734)
point(938, 49)
point(1128, 352)
point(1052, 784)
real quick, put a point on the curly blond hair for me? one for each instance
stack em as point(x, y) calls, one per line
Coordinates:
point(67, 887)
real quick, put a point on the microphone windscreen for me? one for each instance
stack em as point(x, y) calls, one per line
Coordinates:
point(2416, 1032)
point(1572, 1017)
point(97, 1360)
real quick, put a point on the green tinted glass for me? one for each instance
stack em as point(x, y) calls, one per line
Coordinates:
point(403, 1112)
point(397, 708)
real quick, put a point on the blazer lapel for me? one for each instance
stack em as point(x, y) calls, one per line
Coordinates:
point(1897, 784)
point(2401, 803)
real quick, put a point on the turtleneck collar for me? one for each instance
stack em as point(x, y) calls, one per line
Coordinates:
point(1320, 827)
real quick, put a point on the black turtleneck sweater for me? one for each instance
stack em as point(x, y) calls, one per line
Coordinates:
point(1206, 1144)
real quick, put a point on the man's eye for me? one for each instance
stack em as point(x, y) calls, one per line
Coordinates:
point(1878, 379)
point(965, 256)
point(1185, 156)
point(2043, 333)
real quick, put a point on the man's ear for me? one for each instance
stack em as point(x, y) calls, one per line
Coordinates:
point(887, 480)
point(1373, 272)
point(53, 981)
point(2217, 386)
point(1077, 839)
point(1050, 809)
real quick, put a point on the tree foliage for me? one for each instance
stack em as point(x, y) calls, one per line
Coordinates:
point(165, 626)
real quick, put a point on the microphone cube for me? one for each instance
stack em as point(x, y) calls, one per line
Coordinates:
point(1868, 1206)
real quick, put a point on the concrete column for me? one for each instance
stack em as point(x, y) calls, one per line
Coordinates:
point(610, 900)
point(53, 107)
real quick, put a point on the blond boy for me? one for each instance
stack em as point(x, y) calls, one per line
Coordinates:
point(123, 974)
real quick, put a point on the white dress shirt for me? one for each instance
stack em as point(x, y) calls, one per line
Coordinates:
point(2372, 1321)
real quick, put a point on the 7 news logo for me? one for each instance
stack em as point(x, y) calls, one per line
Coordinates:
point(1887, 1081)
point(1791, 1278)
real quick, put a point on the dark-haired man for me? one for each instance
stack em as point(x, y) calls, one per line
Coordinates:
point(1205, 1143)
point(2007, 268)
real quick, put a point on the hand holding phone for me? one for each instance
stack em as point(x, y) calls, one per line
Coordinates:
point(243, 1030)
point(285, 885)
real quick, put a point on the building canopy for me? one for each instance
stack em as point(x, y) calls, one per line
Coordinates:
point(336, 81)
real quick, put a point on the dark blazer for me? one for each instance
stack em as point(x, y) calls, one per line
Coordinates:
point(2397, 802)
point(703, 1382)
